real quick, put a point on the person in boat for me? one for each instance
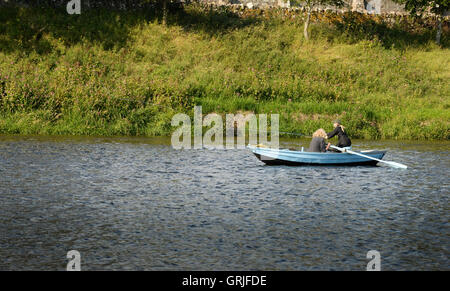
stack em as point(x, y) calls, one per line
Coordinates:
point(343, 139)
point(318, 141)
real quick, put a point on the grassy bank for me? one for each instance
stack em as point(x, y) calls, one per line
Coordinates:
point(123, 73)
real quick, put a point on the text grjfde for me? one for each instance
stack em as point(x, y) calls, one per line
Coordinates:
point(246, 281)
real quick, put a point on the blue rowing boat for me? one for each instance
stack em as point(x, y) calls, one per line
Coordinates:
point(297, 158)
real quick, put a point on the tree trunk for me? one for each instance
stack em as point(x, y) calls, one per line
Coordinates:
point(439, 30)
point(164, 18)
point(308, 17)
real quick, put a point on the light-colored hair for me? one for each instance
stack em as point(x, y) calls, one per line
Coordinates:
point(320, 133)
point(340, 125)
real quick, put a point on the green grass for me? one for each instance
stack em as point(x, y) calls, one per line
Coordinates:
point(123, 73)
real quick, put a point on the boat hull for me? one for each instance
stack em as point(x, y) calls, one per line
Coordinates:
point(298, 158)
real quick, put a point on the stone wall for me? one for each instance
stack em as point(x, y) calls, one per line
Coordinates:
point(365, 6)
point(112, 4)
point(252, 3)
point(376, 6)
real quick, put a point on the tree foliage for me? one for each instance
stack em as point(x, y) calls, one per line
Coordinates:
point(417, 7)
point(438, 7)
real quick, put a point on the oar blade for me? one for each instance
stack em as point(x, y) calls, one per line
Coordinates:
point(392, 164)
point(396, 165)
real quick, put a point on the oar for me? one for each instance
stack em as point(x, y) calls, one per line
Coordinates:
point(392, 164)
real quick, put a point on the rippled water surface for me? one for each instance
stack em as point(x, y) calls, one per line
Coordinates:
point(138, 204)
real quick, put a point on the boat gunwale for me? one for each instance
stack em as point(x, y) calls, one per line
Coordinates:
point(288, 151)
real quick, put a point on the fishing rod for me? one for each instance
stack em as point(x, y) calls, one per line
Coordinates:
point(282, 132)
point(295, 133)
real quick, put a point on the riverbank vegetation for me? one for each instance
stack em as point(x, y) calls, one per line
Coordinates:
point(108, 72)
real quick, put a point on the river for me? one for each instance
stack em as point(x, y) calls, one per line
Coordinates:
point(138, 204)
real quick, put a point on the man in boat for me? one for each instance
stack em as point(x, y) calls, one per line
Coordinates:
point(343, 140)
point(318, 141)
